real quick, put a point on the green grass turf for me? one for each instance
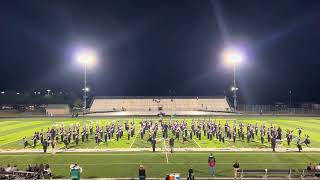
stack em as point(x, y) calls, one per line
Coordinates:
point(125, 164)
point(13, 130)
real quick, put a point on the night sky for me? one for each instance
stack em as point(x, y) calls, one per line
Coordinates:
point(149, 47)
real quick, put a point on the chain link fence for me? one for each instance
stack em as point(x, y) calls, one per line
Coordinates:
point(278, 109)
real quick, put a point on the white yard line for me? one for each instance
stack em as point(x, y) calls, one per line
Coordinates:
point(165, 149)
point(134, 140)
point(196, 143)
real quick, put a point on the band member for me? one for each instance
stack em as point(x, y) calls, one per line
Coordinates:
point(171, 143)
point(153, 144)
point(45, 145)
point(299, 145)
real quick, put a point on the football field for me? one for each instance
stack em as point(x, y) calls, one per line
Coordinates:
point(122, 159)
point(13, 130)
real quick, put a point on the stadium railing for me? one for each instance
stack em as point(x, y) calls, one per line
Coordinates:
point(18, 174)
point(264, 172)
point(304, 173)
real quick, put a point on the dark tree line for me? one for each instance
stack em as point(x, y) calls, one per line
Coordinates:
point(14, 98)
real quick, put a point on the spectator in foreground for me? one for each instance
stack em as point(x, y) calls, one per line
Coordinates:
point(75, 171)
point(47, 171)
point(8, 168)
point(142, 173)
point(1, 169)
point(236, 167)
point(212, 164)
point(310, 167)
point(28, 169)
point(317, 169)
point(190, 174)
point(15, 168)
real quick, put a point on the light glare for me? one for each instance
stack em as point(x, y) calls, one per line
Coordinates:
point(233, 57)
point(86, 57)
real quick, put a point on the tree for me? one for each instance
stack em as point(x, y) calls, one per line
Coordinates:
point(78, 103)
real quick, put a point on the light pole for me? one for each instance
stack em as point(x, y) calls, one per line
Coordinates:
point(235, 89)
point(85, 58)
point(233, 58)
point(85, 87)
point(290, 98)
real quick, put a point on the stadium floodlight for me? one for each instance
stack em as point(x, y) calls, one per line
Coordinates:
point(86, 58)
point(3, 92)
point(234, 88)
point(18, 93)
point(86, 89)
point(233, 57)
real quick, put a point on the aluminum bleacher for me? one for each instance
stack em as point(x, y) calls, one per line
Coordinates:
point(155, 105)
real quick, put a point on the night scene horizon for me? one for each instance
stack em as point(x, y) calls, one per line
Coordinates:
point(163, 48)
point(160, 89)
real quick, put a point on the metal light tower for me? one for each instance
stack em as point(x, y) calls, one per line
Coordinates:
point(85, 88)
point(233, 57)
point(234, 88)
point(86, 58)
point(290, 93)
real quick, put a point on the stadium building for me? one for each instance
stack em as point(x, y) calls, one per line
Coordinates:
point(165, 105)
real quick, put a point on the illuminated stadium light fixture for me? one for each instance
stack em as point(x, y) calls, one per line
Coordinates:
point(18, 93)
point(48, 90)
point(233, 57)
point(86, 89)
point(86, 58)
point(3, 92)
point(234, 89)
